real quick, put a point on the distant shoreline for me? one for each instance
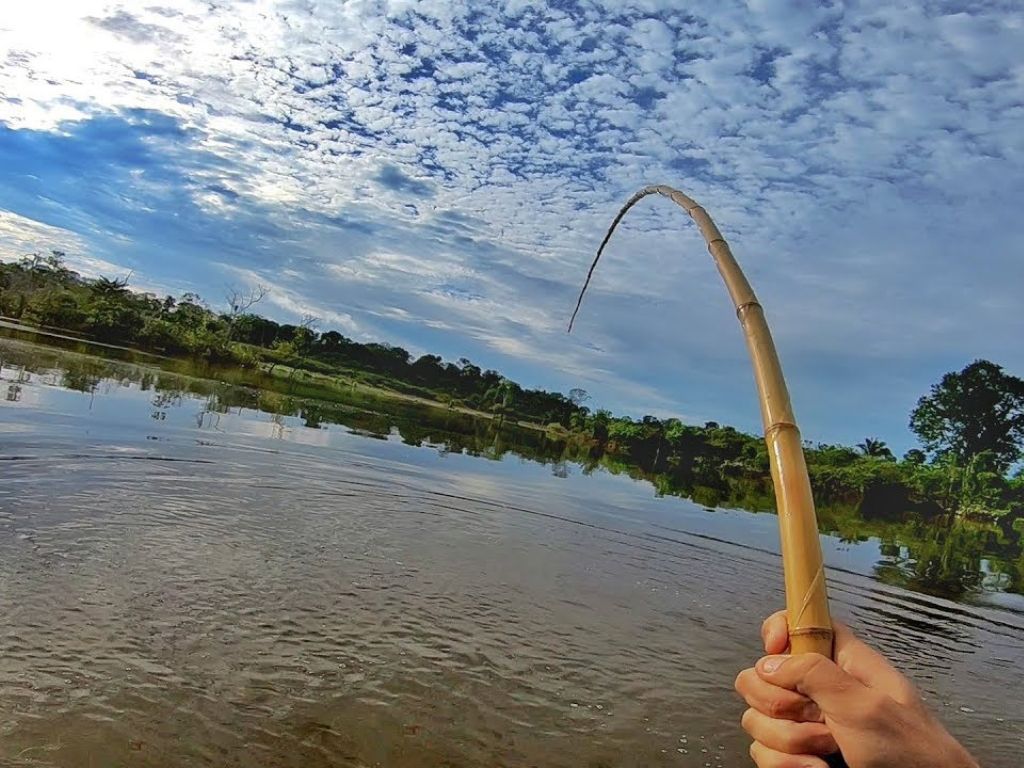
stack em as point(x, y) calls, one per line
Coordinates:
point(61, 334)
point(14, 324)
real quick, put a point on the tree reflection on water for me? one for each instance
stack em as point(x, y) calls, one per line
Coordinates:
point(937, 555)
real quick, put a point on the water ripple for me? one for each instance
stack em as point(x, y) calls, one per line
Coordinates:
point(225, 604)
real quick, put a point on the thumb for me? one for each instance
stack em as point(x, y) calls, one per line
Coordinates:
point(816, 677)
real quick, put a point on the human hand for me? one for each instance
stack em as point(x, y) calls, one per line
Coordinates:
point(805, 707)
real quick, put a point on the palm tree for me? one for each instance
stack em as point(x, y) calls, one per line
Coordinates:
point(107, 287)
point(502, 396)
point(874, 448)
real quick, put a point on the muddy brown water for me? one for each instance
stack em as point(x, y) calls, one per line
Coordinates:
point(186, 587)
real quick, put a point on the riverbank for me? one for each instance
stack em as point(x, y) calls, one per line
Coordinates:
point(712, 464)
point(954, 477)
point(949, 555)
point(276, 376)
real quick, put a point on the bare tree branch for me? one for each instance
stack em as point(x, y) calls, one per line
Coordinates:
point(241, 301)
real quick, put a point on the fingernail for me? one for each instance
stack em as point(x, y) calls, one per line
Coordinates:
point(772, 663)
point(812, 714)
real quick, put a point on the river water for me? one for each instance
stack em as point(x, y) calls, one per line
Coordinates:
point(185, 584)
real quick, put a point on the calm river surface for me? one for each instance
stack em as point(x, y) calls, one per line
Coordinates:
point(185, 584)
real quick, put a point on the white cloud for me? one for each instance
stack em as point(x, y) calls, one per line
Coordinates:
point(297, 307)
point(20, 236)
point(864, 159)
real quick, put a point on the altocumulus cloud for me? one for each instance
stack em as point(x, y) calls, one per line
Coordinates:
point(437, 174)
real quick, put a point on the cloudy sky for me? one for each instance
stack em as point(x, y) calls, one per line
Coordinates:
point(438, 174)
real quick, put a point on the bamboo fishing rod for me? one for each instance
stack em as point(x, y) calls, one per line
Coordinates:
point(810, 626)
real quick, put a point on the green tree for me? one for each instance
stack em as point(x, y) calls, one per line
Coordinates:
point(284, 352)
point(578, 396)
point(331, 343)
point(599, 423)
point(58, 308)
point(915, 456)
point(428, 369)
point(981, 408)
point(502, 397)
point(113, 314)
point(875, 448)
point(22, 280)
point(110, 288)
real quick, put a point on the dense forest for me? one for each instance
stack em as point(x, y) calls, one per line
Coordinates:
point(971, 424)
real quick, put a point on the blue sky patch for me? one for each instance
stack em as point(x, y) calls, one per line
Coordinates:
point(440, 178)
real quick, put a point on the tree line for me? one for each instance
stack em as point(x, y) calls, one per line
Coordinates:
point(43, 291)
point(970, 425)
